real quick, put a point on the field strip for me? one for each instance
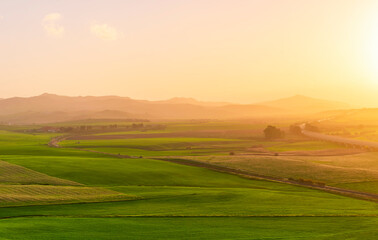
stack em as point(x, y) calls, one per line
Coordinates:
point(246, 174)
point(15, 174)
point(190, 216)
point(22, 195)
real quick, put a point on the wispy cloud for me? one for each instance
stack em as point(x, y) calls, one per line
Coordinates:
point(105, 32)
point(51, 25)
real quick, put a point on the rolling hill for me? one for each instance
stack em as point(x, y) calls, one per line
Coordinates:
point(305, 104)
point(47, 108)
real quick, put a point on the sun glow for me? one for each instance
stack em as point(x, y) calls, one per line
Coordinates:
point(371, 48)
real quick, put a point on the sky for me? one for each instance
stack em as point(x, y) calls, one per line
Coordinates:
point(241, 51)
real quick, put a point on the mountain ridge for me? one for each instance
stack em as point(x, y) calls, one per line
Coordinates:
point(39, 109)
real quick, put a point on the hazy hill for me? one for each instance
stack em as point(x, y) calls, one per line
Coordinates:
point(354, 116)
point(178, 100)
point(60, 116)
point(305, 104)
point(54, 108)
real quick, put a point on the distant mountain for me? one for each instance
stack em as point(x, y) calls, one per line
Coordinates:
point(54, 108)
point(178, 100)
point(59, 116)
point(303, 104)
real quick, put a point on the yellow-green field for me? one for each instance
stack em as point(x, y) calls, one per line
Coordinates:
point(356, 171)
point(14, 174)
point(21, 195)
point(83, 194)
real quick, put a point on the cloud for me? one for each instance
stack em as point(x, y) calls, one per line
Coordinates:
point(105, 32)
point(52, 28)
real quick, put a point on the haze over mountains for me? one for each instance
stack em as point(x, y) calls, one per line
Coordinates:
point(305, 104)
point(48, 108)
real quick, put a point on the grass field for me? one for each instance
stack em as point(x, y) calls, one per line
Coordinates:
point(191, 228)
point(145, 198)
point(162, 146)
point(179, 146)
point(264, 200)
point(154, 144)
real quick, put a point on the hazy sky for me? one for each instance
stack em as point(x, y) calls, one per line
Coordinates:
point(228, 50)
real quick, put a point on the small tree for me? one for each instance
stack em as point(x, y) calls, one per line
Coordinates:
point(272, 132)
point(311, 128)
point(295, 129)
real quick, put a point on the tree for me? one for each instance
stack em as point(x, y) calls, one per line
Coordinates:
point(272, 132)
point(311, 128)
point(295, 129)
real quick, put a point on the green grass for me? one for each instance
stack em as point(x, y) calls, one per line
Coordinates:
point(315, 228)
point(110, 171)
point(162, 146)
point(167, 200)
point(146, 143)
point(194, 151)
point(263, 200)
point(130, 132)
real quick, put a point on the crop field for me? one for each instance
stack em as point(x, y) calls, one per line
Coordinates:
point(360, 124)
point(304, 146)
point(14, 174)
point(156, 145)
point(80, 194)
point(19, 195)
point(356, 171)
point(161, 146)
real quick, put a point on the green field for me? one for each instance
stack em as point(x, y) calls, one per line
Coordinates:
point(162, 146)
point(67, 193)
point(191, 228)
